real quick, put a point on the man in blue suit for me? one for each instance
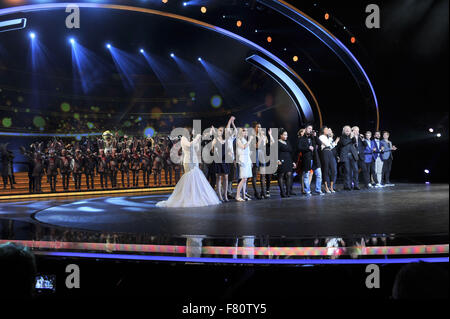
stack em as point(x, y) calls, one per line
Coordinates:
point(369, 160)
point(386, 155)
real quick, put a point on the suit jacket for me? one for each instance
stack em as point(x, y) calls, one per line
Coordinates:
point(387, 152)
point(347, 146)
point(377, 148)
point(368, 151)
point(361, 148)
point(303, 145)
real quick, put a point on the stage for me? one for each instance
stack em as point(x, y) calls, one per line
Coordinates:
point(406, 209)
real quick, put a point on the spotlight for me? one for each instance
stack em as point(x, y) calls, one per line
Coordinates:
point(172, 55)
point(327, 16)
point(199, 59)
point(269, 39)
point(184, 4)
point(239, 23)
point(108, 46)
point(32, 35)
point(256, 31)
point(438, 134)
point(295, 58)
point(72, 41)
point(427, 171)
point(165, 1)
point(203, 9)
point(353, 40)
point(309, 69)
point(431, 130)
point(141, 50)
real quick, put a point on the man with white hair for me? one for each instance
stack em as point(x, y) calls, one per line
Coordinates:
point(349, 156)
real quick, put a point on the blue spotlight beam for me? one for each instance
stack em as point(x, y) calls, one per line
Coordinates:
point(126, 64)
point(254, 46)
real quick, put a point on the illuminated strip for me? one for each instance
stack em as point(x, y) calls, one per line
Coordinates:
point(15, 24)
point(277, 74)
point(211, 27)
point(47, 134)
point(329, 40)
point(248, 261)
point(240, 251)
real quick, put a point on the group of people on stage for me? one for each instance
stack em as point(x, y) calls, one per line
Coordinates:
point(316, 154)
point(135, 159)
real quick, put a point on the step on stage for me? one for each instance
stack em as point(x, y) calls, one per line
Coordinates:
point(414, 216)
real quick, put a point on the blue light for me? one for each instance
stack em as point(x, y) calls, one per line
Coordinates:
point(172, 55)
point(108, 46)
point(184, 4)
point(200, 59)
point(32, 35)
point(72, 41)
point(141, 50)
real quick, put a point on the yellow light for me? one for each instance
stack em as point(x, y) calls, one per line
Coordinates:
point(327, 16)
point(295, 58)
point(165, 1)
point(203, 9)
point(239, 23)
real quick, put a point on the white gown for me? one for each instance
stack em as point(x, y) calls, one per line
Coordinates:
point(193, 189)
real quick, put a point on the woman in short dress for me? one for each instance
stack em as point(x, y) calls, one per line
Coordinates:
point(245, 163)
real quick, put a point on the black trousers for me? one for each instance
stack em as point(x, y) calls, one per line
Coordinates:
point(5, 181)
point(52, 181)
point(350, 172)
point(369, 173)
point(362, 167)
point(65, 180)
point(136, 178)
point(285, 183)
point(329, 168)
point(77, 179)
point(89, 176)
point(177, 170)
point(387, 166)
point(113, 177)
point(104, 179)
point(30, 183)
point(37, 183)
point(123, 174)
point(146, 176)
point(168, 174)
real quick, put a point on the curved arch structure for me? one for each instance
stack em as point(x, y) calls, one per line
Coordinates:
point(303, 106)
point(329, 40)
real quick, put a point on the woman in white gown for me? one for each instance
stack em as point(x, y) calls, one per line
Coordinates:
point(193, 189)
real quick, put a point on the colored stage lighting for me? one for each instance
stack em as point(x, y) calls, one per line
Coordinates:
point(32, 35)
point(72, 41)
point(203, 9)
point(269, 39)
point(427, 171)
point(184, 4)
point(327, 16)
point(239, 23)
point(216, 101)
point(165, 1)
point(295, 58)
point(353, 40)
point(141, 50)
point(172, 55)
point(199, 59)
point(108, 46)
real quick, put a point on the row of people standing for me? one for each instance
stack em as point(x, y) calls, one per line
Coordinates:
point(320, 155)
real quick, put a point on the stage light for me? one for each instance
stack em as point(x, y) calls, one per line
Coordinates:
point(184, 4)
point(438, 134)
point(295, 58)
point(72, 41)
point(172, 55)
point(239, 23)
point(269, 39)
point(141, 50)
point(199, 59)
point(108, 46)
point(309, 69)
point(327, 16)
point(431, 130)
point(165, 1)
point(203, 9)
point(352, 39)
point(427, 171)
point(256, 31)
point(32, 35)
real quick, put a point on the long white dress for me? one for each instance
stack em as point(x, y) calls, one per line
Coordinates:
point(193, 189)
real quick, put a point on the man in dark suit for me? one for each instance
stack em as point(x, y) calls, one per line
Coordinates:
point(360, 146)
point(349, 156)
point(309, 145)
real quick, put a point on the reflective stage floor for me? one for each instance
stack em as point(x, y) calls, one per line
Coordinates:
point(409, 219)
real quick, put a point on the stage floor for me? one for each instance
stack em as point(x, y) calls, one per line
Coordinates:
point(407, 209)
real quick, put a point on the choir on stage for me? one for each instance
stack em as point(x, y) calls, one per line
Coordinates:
point(316, 160)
